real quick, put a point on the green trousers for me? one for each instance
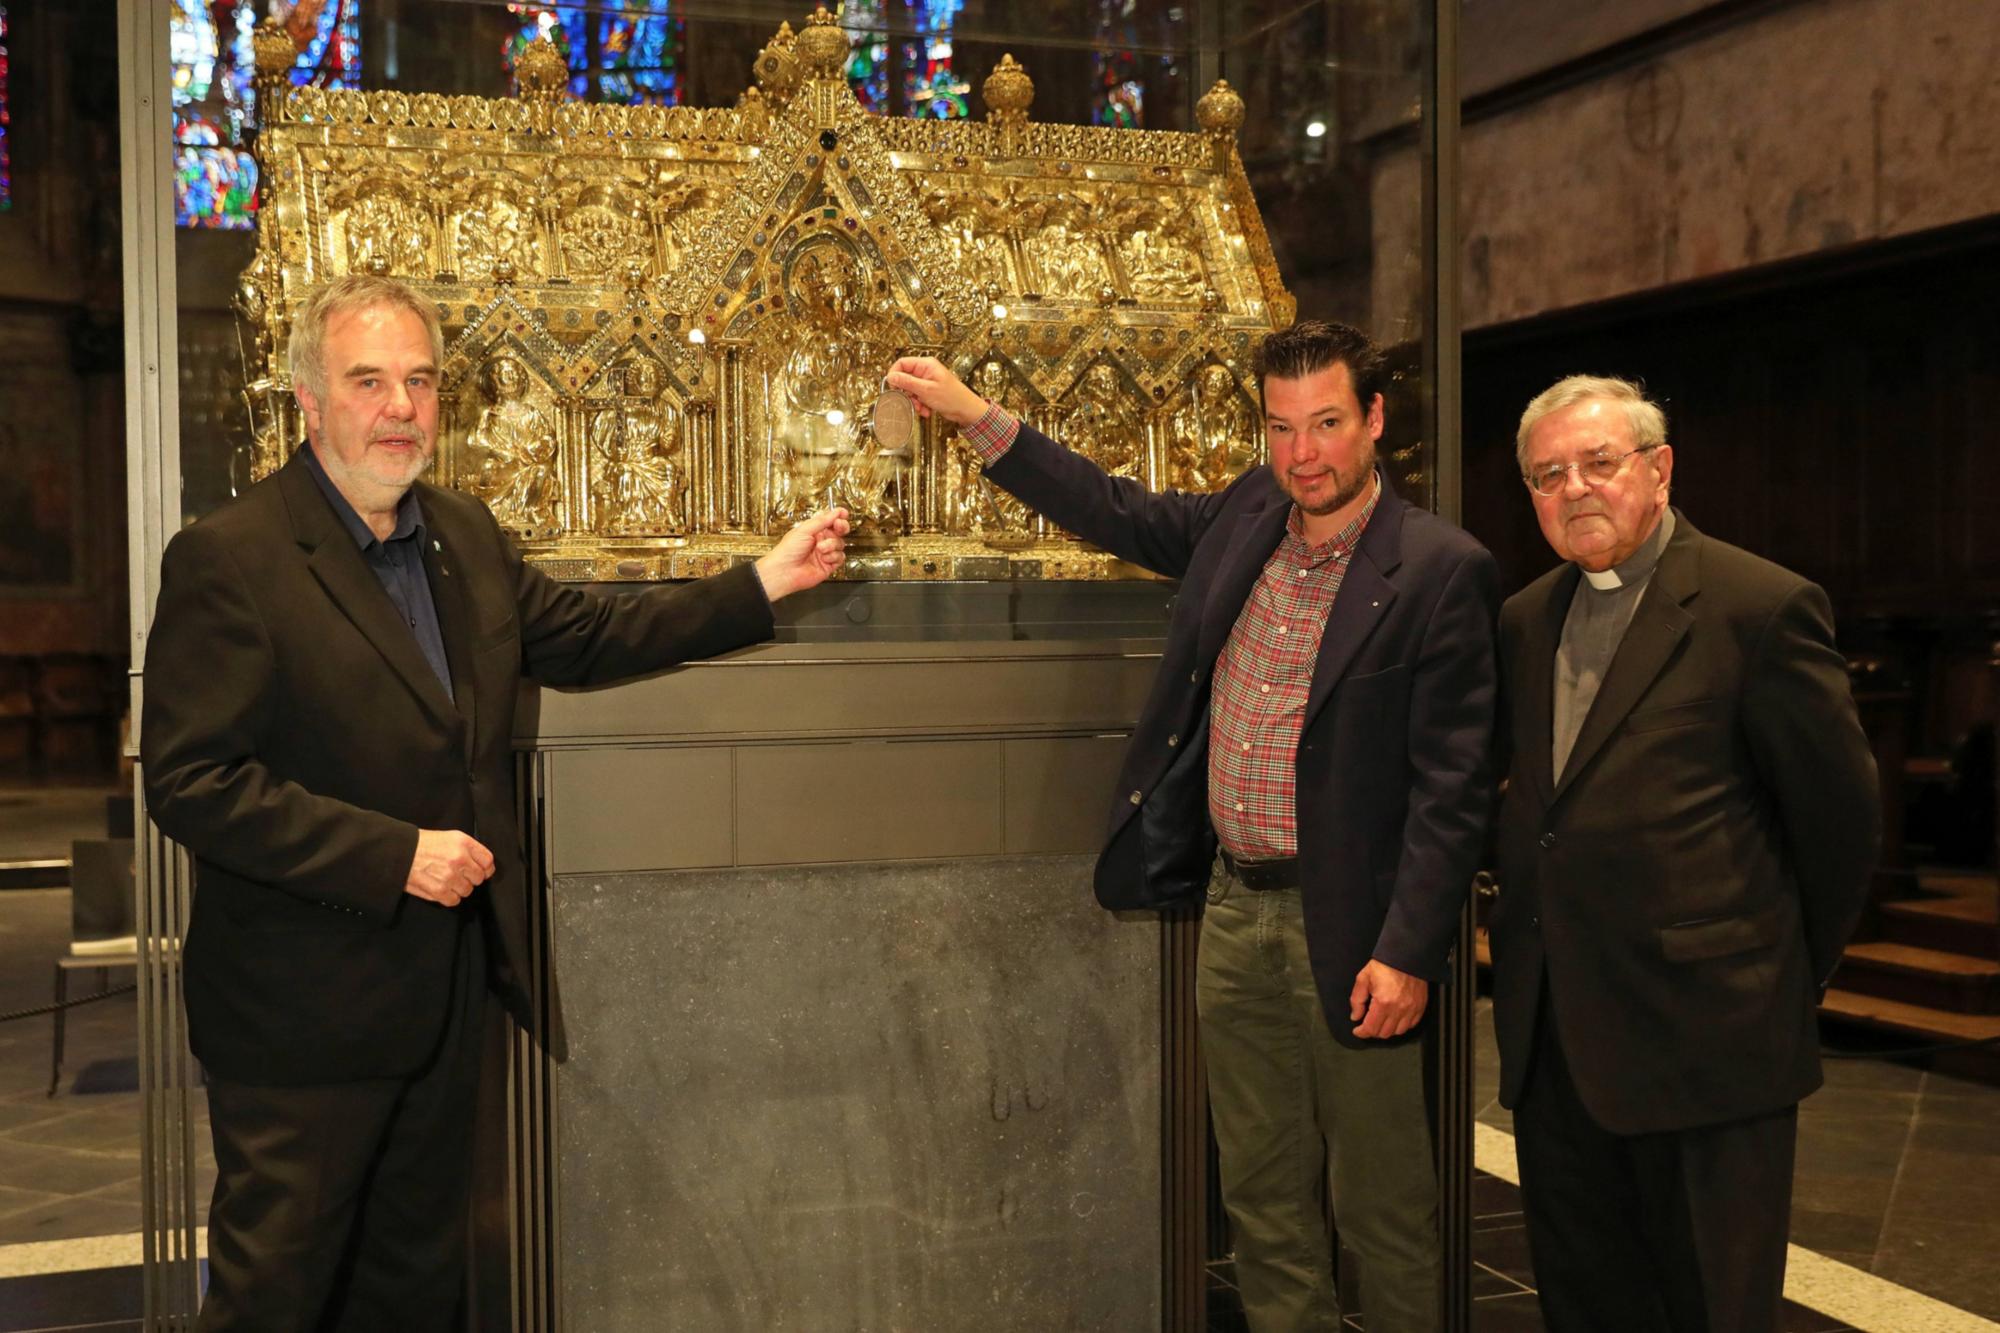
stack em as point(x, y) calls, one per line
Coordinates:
point(1296, 1115)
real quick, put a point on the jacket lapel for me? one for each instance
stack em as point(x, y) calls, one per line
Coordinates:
point(337, 563)
point(1256, 536)
point(1657, 627)
point(448, 592)
point(1543, 631)
point(1365, 596)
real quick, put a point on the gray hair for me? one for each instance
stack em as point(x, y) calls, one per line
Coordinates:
point(1646, 418)
point(306, 355)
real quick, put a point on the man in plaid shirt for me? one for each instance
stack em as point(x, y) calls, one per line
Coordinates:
point(1315, 759)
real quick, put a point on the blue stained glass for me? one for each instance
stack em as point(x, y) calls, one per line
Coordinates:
point(6, 122)
point(332, 58)
point(931, 87)
point(215, 100)
point(638, 48)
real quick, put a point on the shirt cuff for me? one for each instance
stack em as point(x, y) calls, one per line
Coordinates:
point(992, 435)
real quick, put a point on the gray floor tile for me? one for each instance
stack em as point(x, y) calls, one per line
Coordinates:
point(1950, 1260)
point(1828, 1232)
point(1948, 1185)
point(64, 1171)
point(71, 1218)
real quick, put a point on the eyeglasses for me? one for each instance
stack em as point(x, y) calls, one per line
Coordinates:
point(1595, 472)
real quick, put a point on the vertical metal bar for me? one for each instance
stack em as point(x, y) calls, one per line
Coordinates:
point(1442, 427)
point(171, 1283)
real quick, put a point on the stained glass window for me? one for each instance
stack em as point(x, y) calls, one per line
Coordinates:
point(638, 48)
point(931, 87)
point(214, 78)
point(1119, 95)
point(6, 162)
point(868, 60)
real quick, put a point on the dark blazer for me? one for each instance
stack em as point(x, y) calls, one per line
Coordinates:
point(1689, 884)
point(1394, 760)
point(294, 741)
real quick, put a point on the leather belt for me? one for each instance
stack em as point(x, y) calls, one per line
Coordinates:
point(1282, 873)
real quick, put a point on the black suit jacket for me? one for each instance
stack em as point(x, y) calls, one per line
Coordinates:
point(294, 741)
point(1689, 883)
point(1394, 760)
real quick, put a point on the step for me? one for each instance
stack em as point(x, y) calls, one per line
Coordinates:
point(1934, 978)
point(1917, 1020)
point(1955, 924)
point(44, 874)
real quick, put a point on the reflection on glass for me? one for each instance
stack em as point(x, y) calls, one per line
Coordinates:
point(213, 83)
point(868, 66)
point(6, 166)
point(931, 87)
point(1120, 99)
point(639, 49)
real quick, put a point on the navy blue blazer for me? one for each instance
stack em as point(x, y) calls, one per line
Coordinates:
point(1395, 758)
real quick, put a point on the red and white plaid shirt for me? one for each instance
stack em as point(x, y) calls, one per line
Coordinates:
point(1258, 705)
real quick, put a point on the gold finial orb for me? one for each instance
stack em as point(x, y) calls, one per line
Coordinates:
point(1211, 299)
point(272, 49)
point(1107, 295)
point(777, 65)
point(823, 46)
point(1220, 110)
point(503, 271)
point(541, 74)
point(1009, 92)
point(378, 266)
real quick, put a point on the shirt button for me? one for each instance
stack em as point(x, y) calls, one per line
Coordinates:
point(1548, 840)
point(1195, 679)
point(1136, 798)
point(1264, 689)
point(1304, 572)
point(1239, 807)
point(1246, 747)
point(1174, 739)
point(1281, 629)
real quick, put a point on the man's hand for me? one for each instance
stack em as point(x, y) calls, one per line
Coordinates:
point(1392, 1000)
point(449, 865)
point(806, 556)
point(936, 389)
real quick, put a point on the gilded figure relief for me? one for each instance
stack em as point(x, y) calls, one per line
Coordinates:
point(665, 328)
point(1098, 420)
point(638, 477)
point(1214, 433)
point(1162, 253)
point(514, 453)
point(833, 356)
point(497, 222)
point(1067, 250)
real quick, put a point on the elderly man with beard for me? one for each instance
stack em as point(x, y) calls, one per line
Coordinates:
point(1324, 713)
point(328, 728)
point(1686, 840)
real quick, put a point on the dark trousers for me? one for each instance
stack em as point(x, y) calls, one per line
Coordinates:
point(343, 1206)
point(1679, 1232)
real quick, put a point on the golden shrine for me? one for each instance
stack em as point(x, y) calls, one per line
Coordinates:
point(665, 326)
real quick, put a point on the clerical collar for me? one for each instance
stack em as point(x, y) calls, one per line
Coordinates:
point(1638, 566)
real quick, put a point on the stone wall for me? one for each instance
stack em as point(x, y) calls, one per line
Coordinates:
point(1791, 130)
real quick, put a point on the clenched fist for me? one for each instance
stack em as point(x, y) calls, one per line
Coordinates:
point(449, 865)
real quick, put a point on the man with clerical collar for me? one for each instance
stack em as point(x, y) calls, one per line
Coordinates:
point(1313, 769)
point(1685, 841)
